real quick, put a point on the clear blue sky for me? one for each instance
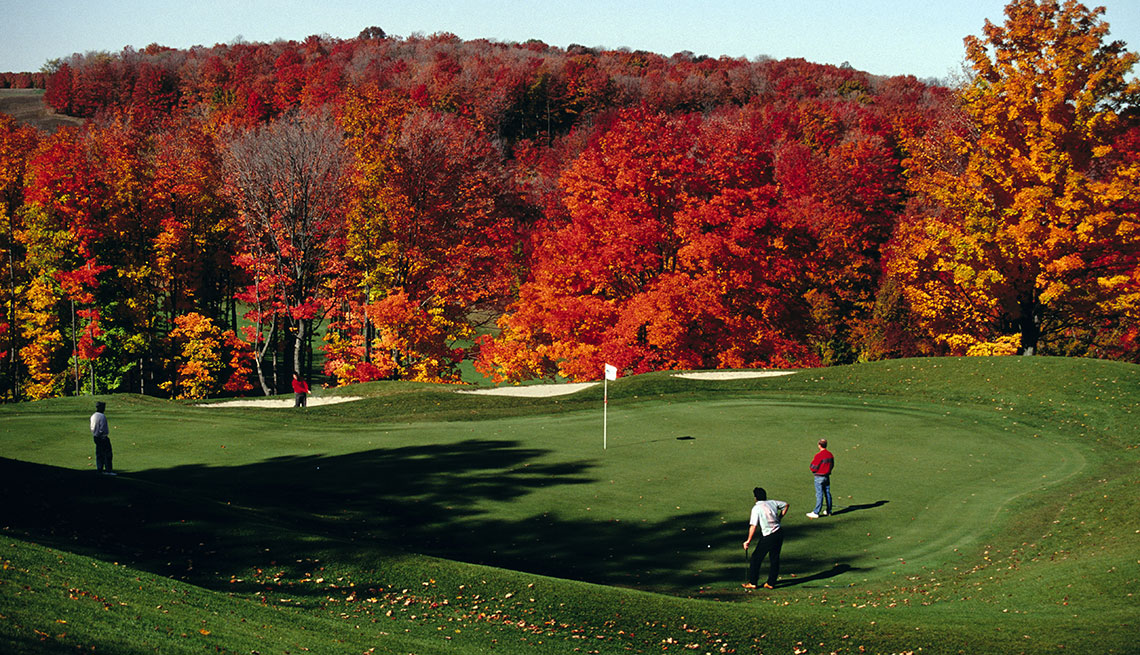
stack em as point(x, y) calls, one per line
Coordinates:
point(885, 37)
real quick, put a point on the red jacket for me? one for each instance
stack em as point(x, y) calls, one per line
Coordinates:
point(823, 462)
point(300, 386)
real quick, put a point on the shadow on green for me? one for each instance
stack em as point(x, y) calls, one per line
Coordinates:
point(211, 524)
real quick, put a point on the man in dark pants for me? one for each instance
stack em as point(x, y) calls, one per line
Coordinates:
point(766, 515)
point(102, 435)
point(300, 392)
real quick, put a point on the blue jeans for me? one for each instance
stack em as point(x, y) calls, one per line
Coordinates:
point(822, 491)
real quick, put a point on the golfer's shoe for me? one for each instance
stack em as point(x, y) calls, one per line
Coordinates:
point(826, 514)
point(749, 585)
point(812, 515)
point(768, 586)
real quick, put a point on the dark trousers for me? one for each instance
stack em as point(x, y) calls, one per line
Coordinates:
point(769, 546)
point(103, 454)
point(300, 399)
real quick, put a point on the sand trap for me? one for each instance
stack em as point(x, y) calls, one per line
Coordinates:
point(534, 391)
point(730, 375)
point(282, 402)
point(529, 391)
point(548, 390)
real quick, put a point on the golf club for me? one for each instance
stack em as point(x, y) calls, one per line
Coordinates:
point(746, 566)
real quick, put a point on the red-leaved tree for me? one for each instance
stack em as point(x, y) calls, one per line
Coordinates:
point(429, 242)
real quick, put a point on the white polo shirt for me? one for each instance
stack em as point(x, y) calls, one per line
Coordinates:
point(766, 514)
point(99, 425)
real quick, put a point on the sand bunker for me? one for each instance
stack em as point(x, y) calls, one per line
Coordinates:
point(529, 391)
point(534, 390)
point(548, 390)
point(730, 375)
point(282, 402)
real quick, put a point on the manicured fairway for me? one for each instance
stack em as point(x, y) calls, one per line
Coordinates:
point(933, 485)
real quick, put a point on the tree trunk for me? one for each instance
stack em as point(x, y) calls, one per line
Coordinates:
point(74, 348)
point(309, 350)
point(298, 347)
point(13, 342)
point(1030, 324)
point(276, 354)
point(259, 357)
point(367, 339)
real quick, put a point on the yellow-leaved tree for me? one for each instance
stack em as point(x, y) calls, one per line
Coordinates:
point(208, 360)
point(1023, 234)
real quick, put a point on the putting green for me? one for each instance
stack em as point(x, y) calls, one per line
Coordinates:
point(664, 507)
point(671, 493)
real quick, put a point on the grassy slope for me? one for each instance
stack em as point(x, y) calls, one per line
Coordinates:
point(27, 106)
point(986, 501)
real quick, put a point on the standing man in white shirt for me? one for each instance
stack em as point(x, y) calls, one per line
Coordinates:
point(766, 515)
point(102, 435)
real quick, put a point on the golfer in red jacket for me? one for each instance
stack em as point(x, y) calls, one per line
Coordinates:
point(300, 392)
point(821, 466)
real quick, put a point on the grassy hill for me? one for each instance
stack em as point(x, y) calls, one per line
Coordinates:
point(983, 505)
point(27, 106)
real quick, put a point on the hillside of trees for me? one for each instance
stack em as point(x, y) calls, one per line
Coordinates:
point(397, 205)
point(24, 80)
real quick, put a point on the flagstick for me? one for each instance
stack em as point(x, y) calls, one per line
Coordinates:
point(605, 410)
point(610, 374)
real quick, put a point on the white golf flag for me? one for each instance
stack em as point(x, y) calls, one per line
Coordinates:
point(611, 374)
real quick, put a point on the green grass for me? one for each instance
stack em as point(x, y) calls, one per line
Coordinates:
point(984, 505)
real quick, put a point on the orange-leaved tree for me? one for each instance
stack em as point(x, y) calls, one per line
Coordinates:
point(429, 240)
point(63, 204)
point(16, 145)
point(199, 231)
point(1024, 231)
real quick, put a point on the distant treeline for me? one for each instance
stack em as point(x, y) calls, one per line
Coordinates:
point(510, 90)
point(23, 80)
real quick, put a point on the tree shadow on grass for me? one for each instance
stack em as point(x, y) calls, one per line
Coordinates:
point(211, 525)
point(199, 522)
point(858, 508)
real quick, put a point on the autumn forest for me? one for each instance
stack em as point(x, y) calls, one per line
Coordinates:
point(387, 208)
